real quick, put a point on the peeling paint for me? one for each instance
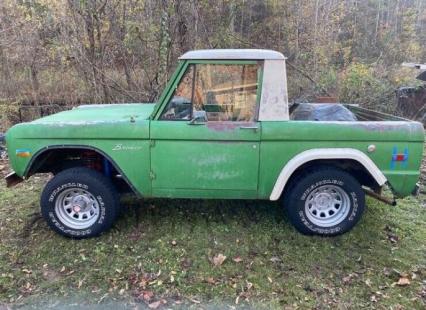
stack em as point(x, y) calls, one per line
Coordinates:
point(218, 175)
point(79, 123)
point(112, 105)
point(211, 160)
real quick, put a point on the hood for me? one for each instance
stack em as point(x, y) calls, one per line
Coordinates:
point(99, 113)
point(98, 121)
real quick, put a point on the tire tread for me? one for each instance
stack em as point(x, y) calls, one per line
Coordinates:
point(75, 174)
point(289, 195)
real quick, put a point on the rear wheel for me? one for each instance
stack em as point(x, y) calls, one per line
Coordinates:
point(324, 201)
point(79, 203)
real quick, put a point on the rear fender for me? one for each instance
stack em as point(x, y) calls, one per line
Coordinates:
point(326, 153)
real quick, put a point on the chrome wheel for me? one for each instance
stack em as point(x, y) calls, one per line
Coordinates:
point(327, 205)
point(77, 208)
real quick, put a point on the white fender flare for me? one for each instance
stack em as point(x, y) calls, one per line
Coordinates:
point(326, 153)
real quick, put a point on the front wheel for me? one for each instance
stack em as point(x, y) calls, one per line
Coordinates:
point(79, 203)
point(325, 201)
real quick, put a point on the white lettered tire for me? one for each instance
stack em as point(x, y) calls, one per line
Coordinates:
point(79, 203)
point(324, 201)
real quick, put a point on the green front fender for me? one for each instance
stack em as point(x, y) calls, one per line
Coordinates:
point(123, 156)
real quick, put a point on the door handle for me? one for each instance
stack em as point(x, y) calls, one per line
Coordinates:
point(195, 122)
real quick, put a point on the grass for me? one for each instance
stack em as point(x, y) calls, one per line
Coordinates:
point(160, 254)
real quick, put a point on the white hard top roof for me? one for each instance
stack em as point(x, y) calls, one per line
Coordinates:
point(233, 54)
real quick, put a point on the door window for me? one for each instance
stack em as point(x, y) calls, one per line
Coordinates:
point(218, 92)
point(179, 107)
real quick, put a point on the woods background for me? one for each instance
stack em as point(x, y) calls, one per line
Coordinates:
point(74, 51)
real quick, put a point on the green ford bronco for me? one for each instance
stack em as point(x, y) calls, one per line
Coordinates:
point(222, 129)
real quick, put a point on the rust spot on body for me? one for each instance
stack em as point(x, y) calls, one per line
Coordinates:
point(227, 126)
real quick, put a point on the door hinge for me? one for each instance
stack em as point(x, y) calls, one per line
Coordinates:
point(151, 175)
point(152, 143)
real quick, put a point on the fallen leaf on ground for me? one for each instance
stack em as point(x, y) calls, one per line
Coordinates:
point(218, 259)
point(102, 298)
point(349, 277)
point(158, 303)
point(147, 295)
point(275, 259)
point(211, 280)
point(403, 282)
point(249, 285)
point(368, 282)
point(237, 259)
point(393, 238)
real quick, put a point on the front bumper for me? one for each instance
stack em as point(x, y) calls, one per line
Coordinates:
point(12, 179)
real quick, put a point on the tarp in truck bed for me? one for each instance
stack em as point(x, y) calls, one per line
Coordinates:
point(322, 112)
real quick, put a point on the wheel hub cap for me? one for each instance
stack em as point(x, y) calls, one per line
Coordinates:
point(81, 203)
point(323, 201)
point(327, 205)
point(77, 208)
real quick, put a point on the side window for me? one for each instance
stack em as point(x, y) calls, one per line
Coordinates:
point(218, 92)
point(179, 107)
point(226, 92)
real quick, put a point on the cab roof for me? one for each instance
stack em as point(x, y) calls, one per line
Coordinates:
point(233, 54)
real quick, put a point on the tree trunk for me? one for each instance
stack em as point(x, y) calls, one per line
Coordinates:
point(34, 83)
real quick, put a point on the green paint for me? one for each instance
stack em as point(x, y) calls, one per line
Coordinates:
point(212, 160)
point(204, 158)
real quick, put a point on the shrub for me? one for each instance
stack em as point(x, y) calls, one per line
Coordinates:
point(360, 84)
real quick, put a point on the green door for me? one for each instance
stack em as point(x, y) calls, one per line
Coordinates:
point(206, 139)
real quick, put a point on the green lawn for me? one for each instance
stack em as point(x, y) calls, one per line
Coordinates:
point(161, 252)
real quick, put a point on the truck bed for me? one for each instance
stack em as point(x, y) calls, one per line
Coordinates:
point(361, 114)
point(366, 115)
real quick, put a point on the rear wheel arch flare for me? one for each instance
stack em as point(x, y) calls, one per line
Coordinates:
point(325, 154)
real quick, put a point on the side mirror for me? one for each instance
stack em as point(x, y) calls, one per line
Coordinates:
point(199, 118)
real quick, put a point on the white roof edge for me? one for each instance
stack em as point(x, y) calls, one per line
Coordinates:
point(233, 54)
